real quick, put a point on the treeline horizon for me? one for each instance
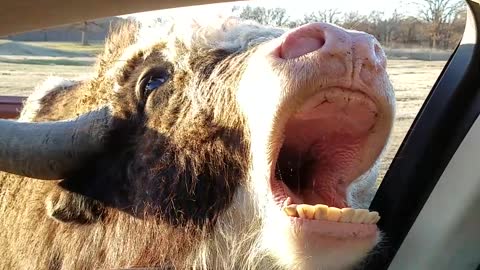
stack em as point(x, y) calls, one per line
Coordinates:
point(439, 24)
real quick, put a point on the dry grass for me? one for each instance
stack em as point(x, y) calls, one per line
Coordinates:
point(418, 53)
point(20, 79)
point(66, 47)
point(412, 80)
point(93, 48)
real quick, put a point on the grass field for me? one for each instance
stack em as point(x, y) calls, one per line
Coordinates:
point(92, 49)
point(19, 74)
point(20, 79)
point(412, 80)
point(66, 47)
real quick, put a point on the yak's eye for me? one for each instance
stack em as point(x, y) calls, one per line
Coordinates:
point(150, 82)
point(154, 83)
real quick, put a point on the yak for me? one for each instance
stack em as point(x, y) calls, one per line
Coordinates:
point(229, 145)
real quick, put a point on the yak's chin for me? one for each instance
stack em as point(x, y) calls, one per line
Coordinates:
point(329, 143)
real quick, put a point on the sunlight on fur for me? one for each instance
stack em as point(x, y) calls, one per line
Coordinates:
point(252, 232)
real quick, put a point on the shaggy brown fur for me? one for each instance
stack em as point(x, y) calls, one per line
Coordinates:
point(175, 159)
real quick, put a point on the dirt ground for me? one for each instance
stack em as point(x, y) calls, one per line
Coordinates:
point(412, 80)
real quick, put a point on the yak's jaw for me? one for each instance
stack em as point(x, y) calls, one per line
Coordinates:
point(326, 147)
point(318, 122)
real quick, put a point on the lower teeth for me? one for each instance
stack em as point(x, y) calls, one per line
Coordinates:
point(323, 212)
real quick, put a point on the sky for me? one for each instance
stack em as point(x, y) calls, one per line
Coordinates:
point(295, 8)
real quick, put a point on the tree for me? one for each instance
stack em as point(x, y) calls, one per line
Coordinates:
point(277, 16)
point(84, 34)
point(439, 23)
point(410, 30)
point(391, 27)
point(328, 16)
point(86, 27)
point(45, 34)
point(439, 14)
point(270, 16)
point(378, 26)
point(455, 29)
point(354, 20)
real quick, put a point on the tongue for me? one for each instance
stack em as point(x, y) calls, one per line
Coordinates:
point(319, 170)
point(331, 173)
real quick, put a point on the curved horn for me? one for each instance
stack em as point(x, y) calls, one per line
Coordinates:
point(50, 150)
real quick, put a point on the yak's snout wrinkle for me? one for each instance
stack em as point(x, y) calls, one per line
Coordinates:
point(368, 51)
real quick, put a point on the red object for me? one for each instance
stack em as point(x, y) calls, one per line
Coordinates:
point(10, 106)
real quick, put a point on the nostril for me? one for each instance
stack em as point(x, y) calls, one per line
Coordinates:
point(299, 43)
point(379, 54)
point(378, 51)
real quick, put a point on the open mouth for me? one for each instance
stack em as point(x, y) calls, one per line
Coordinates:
point(327, 144)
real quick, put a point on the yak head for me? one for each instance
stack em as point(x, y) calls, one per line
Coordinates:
point(266, 139)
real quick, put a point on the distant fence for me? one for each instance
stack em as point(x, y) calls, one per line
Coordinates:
point(96, 31)
point(425, 54)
